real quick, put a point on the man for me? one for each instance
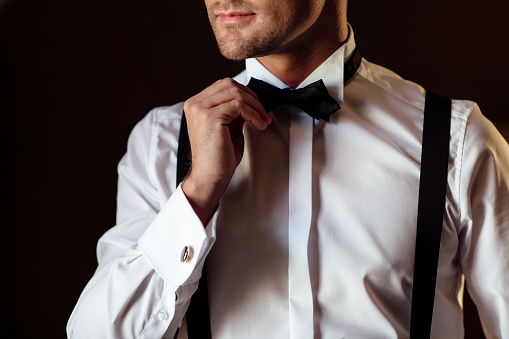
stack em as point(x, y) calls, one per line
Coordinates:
point(307, 225)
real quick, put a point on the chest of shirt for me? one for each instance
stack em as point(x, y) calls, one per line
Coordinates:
point(364, 176)
point(364, 168)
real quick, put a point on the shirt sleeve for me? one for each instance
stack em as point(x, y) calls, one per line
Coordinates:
point(142, 287)
point(484, 229)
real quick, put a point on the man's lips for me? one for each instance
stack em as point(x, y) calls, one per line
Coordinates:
point(235, 18)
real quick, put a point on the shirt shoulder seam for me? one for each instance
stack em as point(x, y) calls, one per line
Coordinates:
point(359, 72)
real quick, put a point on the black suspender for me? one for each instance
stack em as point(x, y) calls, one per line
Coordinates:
point(432, 189)
point(183, 152)
point(430, 213)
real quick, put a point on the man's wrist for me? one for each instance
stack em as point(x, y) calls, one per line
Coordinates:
point(203, 198)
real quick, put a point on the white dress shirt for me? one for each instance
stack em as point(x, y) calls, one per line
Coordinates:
point(315, 235)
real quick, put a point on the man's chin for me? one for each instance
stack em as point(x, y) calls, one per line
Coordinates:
point(234, 56)
point(236, 46)
point(238, 52)
point(232, 51)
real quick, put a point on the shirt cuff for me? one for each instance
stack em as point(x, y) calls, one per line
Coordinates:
point(176, 243)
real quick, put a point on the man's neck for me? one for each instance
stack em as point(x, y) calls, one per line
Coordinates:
point(293, 64)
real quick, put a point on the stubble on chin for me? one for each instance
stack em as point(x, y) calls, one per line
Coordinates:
point(239, 42)
point(234, 45)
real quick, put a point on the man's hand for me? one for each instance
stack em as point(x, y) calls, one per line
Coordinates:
point(215, 118)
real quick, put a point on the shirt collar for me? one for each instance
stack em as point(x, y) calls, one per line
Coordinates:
point(331, 71)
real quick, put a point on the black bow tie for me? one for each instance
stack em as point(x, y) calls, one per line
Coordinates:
point(312, 99)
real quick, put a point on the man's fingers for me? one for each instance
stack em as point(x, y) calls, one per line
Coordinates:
point(235, 93)
point(227, 90)
point(226, 100)
point(265, 114)
point(215, 88)
point(234, 109)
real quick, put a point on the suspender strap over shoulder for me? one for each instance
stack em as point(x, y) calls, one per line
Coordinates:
point(430, 214)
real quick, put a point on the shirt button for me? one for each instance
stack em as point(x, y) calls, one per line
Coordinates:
point(186, 254)
point(163, 315)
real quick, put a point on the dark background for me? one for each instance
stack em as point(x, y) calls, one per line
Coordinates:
point(75, 76)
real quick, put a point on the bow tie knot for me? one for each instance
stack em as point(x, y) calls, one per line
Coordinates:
point(313, 99)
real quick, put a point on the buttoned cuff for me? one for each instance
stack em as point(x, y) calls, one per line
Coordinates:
point(176, 243)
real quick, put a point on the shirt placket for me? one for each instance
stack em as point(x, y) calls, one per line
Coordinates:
point(300, 208)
